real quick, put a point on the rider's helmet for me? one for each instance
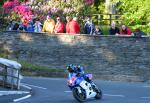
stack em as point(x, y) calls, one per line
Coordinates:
point(70, 68)
point(78, 68)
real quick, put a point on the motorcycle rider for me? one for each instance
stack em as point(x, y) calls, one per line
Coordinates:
point(71, 71)
point(77, 71)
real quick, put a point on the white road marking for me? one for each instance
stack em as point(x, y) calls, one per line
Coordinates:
point(145, 97)
point(25, 86)
point(22, 98)
point(67, 91)
point(34, 86)
point(112, 95)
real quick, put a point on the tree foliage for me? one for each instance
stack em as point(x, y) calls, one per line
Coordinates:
point(99, 5)
point(134, 11)
point(1, 2)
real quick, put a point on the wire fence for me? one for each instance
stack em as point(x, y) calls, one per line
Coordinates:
point(107, 19)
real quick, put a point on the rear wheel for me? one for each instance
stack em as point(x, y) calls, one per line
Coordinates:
point(81, 97)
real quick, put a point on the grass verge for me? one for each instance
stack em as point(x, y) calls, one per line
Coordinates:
point(29, 69)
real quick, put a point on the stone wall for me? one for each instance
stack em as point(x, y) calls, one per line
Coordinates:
point(108, 57)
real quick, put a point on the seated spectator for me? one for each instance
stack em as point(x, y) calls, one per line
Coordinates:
point(125, 31)
point(68, 19)
point(21, 28)
point(25, 24)
point(113, 29)
point(30, 27)
point(37, 26)
point(59, 27)
point(89, 26)
point(139, 33)
point(74, 27)
point(16, 26)
point(49, 25)
point(10, 25)
point(98, 31)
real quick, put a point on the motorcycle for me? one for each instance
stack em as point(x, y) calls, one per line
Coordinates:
point(83, 90)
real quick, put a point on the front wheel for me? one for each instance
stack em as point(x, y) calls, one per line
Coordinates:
point(81, 97)
point(98, 95)
point(98, 92)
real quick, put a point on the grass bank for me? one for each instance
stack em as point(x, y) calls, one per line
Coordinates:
point(29, 69)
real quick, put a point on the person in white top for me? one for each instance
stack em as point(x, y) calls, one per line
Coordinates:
point(37, 26)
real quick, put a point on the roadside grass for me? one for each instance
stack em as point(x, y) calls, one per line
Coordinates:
point(29, 69)
point(34, 67)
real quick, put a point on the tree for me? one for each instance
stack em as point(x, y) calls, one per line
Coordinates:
point(134, 11)
point(1, 2)
point(100, 5)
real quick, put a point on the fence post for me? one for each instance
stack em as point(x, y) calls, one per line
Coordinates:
point(12, 79)
point(5, 76)
point(18, 78)
point(99, 19)
point(110, 18)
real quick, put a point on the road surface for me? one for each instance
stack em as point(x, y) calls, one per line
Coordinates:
point(54, 90)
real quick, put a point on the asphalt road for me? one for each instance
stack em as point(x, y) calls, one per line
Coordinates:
point(54, 90)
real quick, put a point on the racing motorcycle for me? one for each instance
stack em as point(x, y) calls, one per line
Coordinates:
point(82, 89)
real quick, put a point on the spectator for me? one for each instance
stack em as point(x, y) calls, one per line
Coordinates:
point(139, 33)
point(16, 26)
point(37, 26)
point(25, 24)
point(30, 27)
point(21, 27)
point(125, 31)
point(68, 18)
point(10, 25)
point(49, 25)
point(74, 27)
point(59, 27)
point(98, 31)
point(113, 29)
point(89, 26)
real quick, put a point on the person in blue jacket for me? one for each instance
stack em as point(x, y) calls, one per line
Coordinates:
point(30, 27)
point(89, 26)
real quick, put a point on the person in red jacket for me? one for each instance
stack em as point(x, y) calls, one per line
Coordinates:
point(125, 31)
point(68, 19)
point(74, 26)
point(59, 27)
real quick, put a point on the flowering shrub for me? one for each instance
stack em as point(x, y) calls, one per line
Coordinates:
point(41, 8)
point(24, 12)
point(17, 11)
point(89, 2)
point(61, 7)
point(9, 5)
